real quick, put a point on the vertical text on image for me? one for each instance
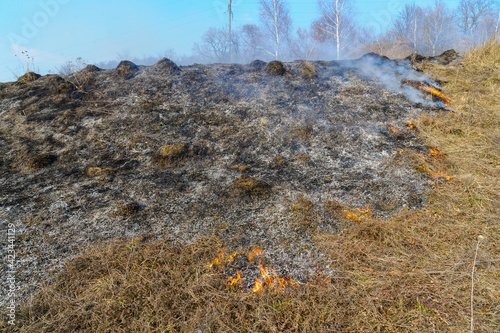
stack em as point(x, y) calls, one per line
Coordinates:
point(11, 276)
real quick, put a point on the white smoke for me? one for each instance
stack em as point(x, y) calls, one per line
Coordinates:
point(391, 74)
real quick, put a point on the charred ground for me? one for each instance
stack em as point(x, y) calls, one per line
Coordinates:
point(244, 152)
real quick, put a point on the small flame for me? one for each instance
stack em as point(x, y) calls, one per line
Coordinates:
point(258, 286)
point(435, 154)
point(218, 261)
point(264, 274)
point(393, 129)
point(256, 252)
point(367, 213)
point(271, 279)
point(410, 125)
point(232, 281)
point(231, 258)
point(436, 92)
point(268, 277)
point(438, 174)
point(400, 152)
point(429, 89)
point(352, 216)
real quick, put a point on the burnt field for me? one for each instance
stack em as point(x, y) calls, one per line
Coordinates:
point(260, 155)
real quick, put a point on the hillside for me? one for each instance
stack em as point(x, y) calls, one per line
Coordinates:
point(287, 158)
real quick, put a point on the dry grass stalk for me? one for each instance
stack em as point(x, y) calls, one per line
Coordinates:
point(479, 239)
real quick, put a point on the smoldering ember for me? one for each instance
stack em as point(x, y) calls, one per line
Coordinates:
point(238, 151)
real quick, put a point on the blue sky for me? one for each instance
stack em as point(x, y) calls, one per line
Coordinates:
point(55, 31)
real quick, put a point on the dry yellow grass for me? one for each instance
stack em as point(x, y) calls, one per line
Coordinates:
point(414, 271)
point(411, 273)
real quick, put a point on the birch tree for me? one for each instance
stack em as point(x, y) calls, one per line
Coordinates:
point(230, 39)
point(336, 23)
point(408, 25)
point(438, 27)
point(476, 19)
point(276, 22)
point(251, 39)
point(305, 46)
point(471, 12)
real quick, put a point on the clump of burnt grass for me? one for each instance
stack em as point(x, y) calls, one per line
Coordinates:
point(41, 160)
point(410, 273)
point(28, 77)
point(276, 67)
point(308, 70)
point(252, 187)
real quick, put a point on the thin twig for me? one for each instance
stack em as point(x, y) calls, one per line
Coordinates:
point(479, 239)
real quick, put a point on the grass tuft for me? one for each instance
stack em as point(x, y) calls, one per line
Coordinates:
point(28, 77)
point(276, 68)
point(308, 70)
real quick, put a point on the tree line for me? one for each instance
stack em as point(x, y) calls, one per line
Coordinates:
point(337, 33)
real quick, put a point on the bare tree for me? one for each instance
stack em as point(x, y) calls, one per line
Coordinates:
point(168, 53)
point(336, 23)
point(486, 29)
point(438, 27)
point(229, 39)
point(408, 25)
point(251, 39)
point(498, 21)
point(305, 46)
point(276, 21)
point(215, 45)
point(471, 13)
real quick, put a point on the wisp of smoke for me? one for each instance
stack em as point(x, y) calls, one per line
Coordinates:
point(392, 73)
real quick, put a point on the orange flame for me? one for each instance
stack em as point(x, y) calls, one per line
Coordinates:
point(232, 281)
point(436, 92)
point(220, 260)
point(256, 252)
point(367, 212)
point(264, 274)
point(268, 277)
point(393, 129)
point(271, 279)
point(410, 125)
point(231, 258)
point(352, 216)
point(258, 286)
point(435, 154)
point(440, 174)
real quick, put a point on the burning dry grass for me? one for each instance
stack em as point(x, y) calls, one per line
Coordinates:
point(415, 270)
point(411, 273)
point(436, 94)
point(137, 286)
